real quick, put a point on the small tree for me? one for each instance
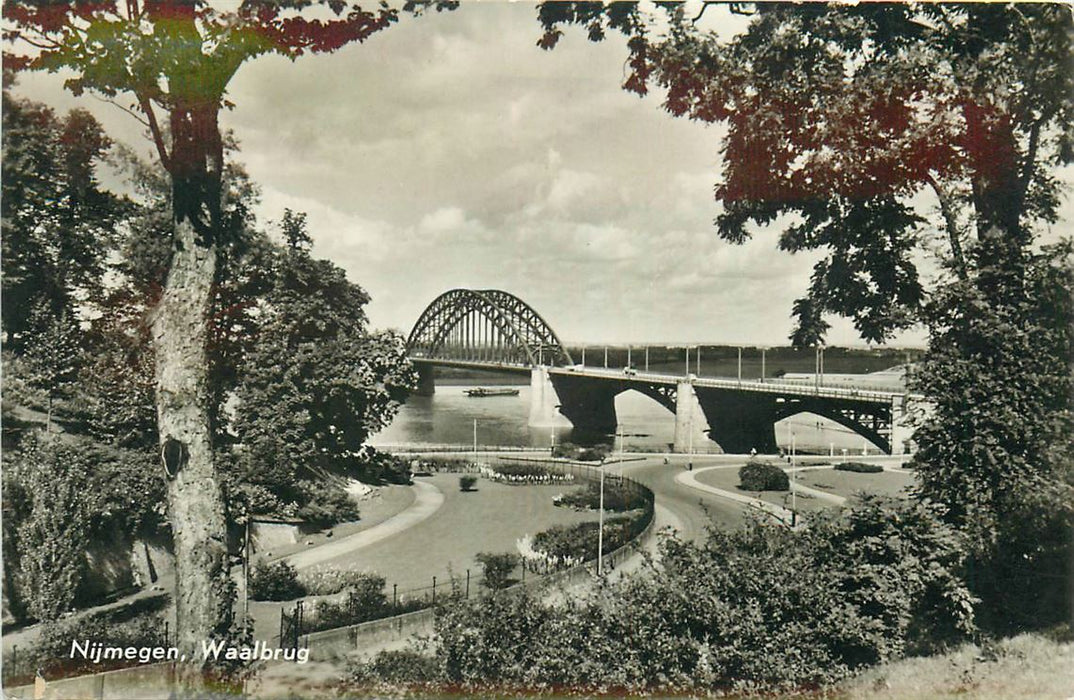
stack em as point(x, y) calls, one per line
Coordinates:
point(277, 581)
point(497, 568)
point(177, 59)
point(52, 539)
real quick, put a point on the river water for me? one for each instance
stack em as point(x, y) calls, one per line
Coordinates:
point(448, 418)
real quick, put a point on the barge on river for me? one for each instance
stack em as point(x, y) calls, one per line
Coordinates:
point(481, 391)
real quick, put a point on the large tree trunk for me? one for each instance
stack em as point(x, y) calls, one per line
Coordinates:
point(195, 500)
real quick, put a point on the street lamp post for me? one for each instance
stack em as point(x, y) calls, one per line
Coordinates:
point(475, 442)
point(762, 363)
point(794, 475)
point(600, 525)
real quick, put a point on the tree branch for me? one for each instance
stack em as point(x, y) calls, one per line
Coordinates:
point(131, 112)
point(951, 221)
point(155, 131)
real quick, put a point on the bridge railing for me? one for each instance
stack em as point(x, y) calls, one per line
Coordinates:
point(775, 386)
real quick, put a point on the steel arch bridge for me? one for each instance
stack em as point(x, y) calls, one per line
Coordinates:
point(486, 326)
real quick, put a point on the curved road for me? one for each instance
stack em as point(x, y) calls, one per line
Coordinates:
point(694, 511)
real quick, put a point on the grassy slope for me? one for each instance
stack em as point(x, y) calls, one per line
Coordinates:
point(1026, 666)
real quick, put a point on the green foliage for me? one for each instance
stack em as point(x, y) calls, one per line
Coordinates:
point(55, 529)
point(57, 221)
point(313, 382)
point(994, 449)
point(51, 651)
point(404, 666)
point(497, 568)
point(324, 503)
point(384, 468)
point(277, 581)
point(757, 475)
point(579, 542)
point(795, 86)
point(467, 482)
point(328, 580)
point(534, 470)
point(859, 467)
point(618, 497)
point(760, 609)
point(364, 601)
point(568, 450)
point(61, 495)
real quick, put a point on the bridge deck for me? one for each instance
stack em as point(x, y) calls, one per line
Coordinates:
point(771, 386)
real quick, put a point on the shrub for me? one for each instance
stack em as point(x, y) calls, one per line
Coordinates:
point(404, 665)
point(325, 503)
point(467, 482)
point(758, 610)
point(567, 543)
point(536, 470)
point(384, 468)
point(365, 600)
point(860, 467)
point(618, 497)
point(568, 450)
point(323, 580)
point(497, 568)
point(278, 581)
point(756, 475)
point(51, 652)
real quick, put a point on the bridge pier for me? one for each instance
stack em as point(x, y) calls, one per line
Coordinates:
point(426, 383)
point(902, 432)
point(689, 418)
point(544, 402)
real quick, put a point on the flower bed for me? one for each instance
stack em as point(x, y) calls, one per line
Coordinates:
point(523, 474)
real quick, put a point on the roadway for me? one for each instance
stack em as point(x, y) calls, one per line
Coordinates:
point(690, 511)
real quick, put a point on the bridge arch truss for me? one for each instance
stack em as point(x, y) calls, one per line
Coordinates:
point(487, 326)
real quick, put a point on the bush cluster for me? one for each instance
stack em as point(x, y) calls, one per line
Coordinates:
point(618, 497)
point(384, 468)
point(760, 609)
point(325, 503)
point(756, 475)
point(325, 580)
point(364, 600)
point(578, 542)
point(277, 581)
point(860, 467)
point(567, 450)
point(140, 626)
point(497, 568)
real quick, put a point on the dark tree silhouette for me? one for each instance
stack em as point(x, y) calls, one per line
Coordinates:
point(174, 60)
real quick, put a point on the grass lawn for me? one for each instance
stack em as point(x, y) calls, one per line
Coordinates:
point(846, 484)
point(727, 479)
point(489, 519)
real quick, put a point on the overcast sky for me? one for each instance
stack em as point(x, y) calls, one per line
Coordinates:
point(449, 151)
